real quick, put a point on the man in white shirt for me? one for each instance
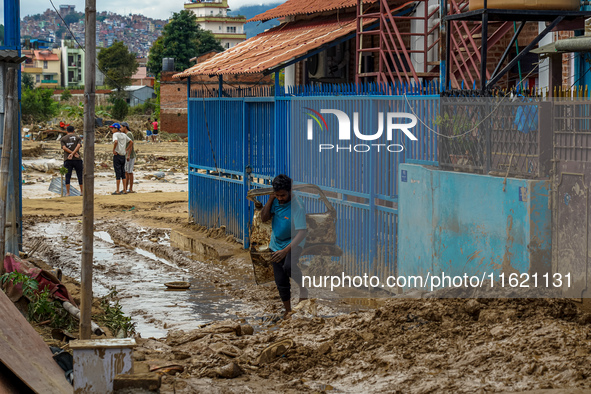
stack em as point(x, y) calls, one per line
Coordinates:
point(120, 141)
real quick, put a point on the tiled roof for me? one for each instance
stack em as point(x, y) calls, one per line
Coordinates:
point(274, 47)
point(297, 7)
point(46, 55)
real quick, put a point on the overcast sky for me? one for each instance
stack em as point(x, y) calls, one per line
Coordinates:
point(157, 9)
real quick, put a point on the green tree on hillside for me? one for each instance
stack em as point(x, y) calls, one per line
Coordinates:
point(118, 65)
point(182, 39)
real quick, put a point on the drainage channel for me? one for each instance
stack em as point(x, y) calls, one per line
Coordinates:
point(139, 278)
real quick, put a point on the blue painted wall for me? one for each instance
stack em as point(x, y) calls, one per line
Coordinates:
point(461, 223)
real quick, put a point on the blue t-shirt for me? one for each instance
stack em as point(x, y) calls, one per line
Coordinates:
point(288, 218)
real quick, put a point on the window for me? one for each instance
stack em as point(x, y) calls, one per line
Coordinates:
point(227, 45)
point(231, 29)
point(38, 78)
point(220, 27)
point(211, 12)
point(45, 64)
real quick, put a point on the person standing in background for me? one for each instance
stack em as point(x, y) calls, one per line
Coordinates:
point(130, 159)
point(71, 145)
point(154, 130)
point(121, 146)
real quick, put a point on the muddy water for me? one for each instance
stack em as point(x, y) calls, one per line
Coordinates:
point(139, 277)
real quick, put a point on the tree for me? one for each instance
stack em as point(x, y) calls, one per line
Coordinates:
point(28, 81)
point(73, 17)
point(119, 109)
point(66, 95)
point(37, 105)
point(182, 39)
point(118, 65)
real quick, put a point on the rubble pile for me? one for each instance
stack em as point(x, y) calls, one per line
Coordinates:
point(416, 346)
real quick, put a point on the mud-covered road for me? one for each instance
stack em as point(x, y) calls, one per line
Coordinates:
point(223, 335)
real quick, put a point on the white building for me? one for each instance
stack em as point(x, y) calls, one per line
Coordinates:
point(213, 16)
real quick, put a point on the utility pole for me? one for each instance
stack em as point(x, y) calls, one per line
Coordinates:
point(88, 187)
point(5, 160)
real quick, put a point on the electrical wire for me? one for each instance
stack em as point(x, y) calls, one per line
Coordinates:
point(119, 87)
point(475, 127)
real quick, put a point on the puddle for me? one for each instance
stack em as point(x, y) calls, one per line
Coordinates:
point(139, 277)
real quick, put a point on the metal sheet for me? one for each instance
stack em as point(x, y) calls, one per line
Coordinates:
point(25, 353)
point(571, 226)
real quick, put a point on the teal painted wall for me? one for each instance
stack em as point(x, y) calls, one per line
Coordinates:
point(461, 223)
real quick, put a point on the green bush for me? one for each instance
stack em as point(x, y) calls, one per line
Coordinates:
point(120, 109)
point(146, 108)
point(37, 105)
point(66, 95)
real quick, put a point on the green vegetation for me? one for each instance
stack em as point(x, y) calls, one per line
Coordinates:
point(27, 81)
point(146, 108)
point(37, 105)
point(114, 319)
point(120, 109)
point(66, 95)
point(77, 111)
point(182, 39)
point(118, 65)
point(42, 306)
point(29, 285)
point(73, 17)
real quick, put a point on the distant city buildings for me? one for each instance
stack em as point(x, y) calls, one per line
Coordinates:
point(213, 16)
point(137, 32)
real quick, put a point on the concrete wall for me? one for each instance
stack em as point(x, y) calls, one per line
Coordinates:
point(461, 223)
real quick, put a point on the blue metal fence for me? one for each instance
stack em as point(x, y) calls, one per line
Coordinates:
point(236, 144)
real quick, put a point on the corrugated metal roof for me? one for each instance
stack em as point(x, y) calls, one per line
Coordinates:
point(297, 7)
point(11, 56)
point(272, 48)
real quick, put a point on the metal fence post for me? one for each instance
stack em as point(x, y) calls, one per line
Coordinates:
point(545, 138)
point(246, 177)
point(487, 137)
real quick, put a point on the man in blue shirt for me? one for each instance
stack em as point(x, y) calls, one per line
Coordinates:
point(289, 218)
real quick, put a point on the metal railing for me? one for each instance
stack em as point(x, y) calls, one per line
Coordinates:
point(495, 135)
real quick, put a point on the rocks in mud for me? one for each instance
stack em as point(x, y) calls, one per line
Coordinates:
point(585, 319)
point(225, 349)
point(176, 338)
point(178, 355)
point(473, 307)
point(246, 329)
point(229, 371)
point(325, 348)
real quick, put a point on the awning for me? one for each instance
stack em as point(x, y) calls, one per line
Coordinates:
point(298, 7)
point(274, 47)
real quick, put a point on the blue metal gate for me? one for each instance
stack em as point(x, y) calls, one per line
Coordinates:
point(236, 144)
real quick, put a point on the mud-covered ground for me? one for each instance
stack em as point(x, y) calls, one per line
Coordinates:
point(225, 335)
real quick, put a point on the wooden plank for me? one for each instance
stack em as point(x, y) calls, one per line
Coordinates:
point(25, 353)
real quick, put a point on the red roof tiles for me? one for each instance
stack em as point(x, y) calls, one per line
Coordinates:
point(46, 55)
point(297, 7)
point(272, 48)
